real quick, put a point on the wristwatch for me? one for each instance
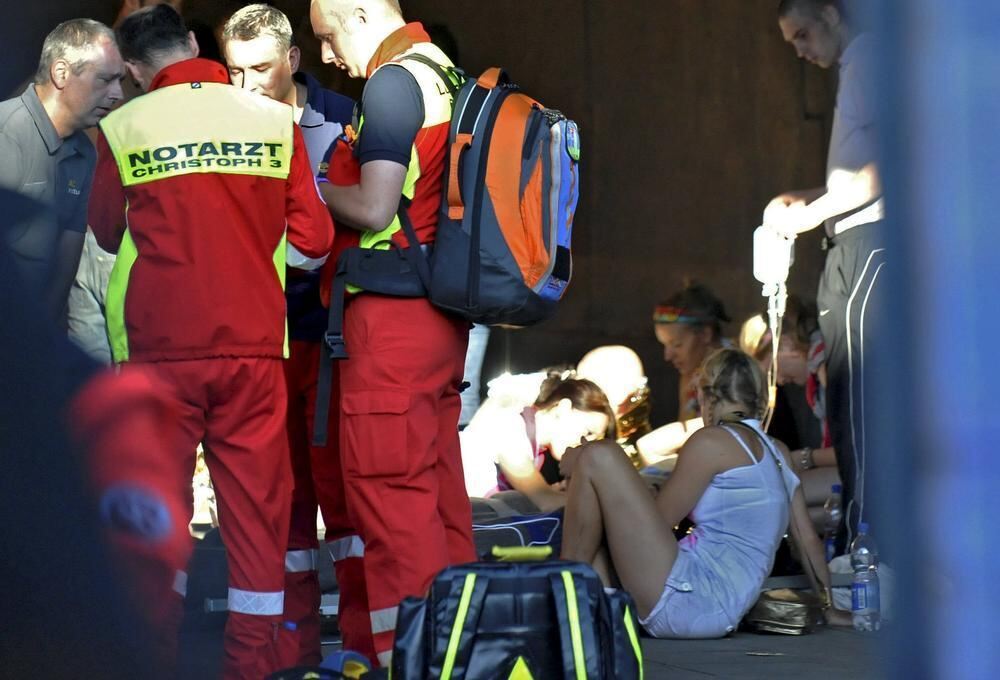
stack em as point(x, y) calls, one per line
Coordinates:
point(806, 458)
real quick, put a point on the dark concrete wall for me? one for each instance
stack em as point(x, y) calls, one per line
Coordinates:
point(693, 114)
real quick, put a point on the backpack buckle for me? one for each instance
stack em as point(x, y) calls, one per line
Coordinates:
point(335, 343)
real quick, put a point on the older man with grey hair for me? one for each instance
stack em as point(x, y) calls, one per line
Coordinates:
point(45, 155)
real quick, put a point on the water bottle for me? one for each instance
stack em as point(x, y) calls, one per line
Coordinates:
point(865, 609)
point(832, 515)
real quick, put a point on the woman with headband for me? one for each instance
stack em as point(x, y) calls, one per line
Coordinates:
point(689, 326)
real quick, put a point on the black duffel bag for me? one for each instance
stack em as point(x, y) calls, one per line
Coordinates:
point(540, 620)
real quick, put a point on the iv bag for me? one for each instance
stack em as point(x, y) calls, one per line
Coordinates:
point(773, 255)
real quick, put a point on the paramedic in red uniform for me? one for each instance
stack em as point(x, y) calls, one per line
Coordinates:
point(120, 420)
point(205, 192)
point(257, 43)
point(399, 388)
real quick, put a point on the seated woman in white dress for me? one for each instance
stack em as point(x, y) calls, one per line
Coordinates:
point(731, 480)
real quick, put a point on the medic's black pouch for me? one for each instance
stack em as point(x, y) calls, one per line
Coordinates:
point(516, 620)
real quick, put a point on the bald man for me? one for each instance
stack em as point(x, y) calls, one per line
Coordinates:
point(400, 387)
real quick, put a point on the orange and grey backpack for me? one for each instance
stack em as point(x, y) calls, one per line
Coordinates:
point(502, 250)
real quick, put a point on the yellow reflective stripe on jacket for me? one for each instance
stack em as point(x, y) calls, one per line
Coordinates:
point(189, 128)
point(114, 302)
point(278, 257)
point(185, 129)
point(380, 239)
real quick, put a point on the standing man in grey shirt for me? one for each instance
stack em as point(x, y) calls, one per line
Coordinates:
point(850, 207)
point(45, 155)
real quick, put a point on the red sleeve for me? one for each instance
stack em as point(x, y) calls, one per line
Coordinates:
point(122, 423)
point(310, 227)
point(119, 419)
point(106, 213)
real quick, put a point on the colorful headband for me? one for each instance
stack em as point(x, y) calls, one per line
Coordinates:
point(669, 314)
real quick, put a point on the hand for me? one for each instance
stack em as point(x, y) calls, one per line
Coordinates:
point(798, 457)
point(794, 212)
point(787, 216)
point(568, 460)
point(793, 198)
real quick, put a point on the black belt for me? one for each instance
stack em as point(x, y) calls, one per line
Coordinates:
point(851, 234)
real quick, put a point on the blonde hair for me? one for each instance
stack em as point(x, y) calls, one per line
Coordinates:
point(254, 21)
point(755, 337)
point(800, 323)
point(735, 377)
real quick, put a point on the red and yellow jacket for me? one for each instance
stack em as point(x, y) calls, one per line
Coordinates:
point(202, 188)
point(379, 138)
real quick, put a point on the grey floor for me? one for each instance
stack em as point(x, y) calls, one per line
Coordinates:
point(826, 653)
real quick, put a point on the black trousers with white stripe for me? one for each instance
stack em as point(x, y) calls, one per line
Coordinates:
point(851, 304)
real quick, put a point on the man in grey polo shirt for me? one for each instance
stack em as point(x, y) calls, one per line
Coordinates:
point(851, 208)
point(45, 155)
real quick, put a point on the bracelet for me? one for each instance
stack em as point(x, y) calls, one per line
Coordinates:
point(806, 458)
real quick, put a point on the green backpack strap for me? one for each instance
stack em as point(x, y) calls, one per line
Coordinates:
point(465, 606)
point(622, 628)
point(577, 628)
point(451, 76)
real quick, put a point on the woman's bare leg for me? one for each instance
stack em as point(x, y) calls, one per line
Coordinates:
point(608, 502)
point(605, 569)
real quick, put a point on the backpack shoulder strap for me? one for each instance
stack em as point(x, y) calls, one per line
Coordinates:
point(332, 350)
point(465, 605)
point(415, 255)
point(451, 76)
point(581, 651)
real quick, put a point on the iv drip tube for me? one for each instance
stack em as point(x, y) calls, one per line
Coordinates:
point(773, 255)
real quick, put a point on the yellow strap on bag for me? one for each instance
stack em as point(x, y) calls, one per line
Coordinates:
point(456, 629)
point(529, 553)
point(576, 636)
point(633, 637)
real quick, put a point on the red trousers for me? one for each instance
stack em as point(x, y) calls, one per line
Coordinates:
point(400, 452)
point(319, 481)
point(236, 407)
